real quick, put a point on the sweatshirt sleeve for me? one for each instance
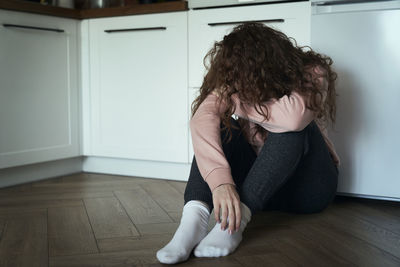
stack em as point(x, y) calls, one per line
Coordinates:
point(286, 114)
point(206, 138)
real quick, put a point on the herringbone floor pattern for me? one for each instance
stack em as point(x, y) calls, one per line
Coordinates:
point(103, 220)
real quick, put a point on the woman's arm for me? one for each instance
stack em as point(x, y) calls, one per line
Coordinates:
point(206, 138)
point(286, 114)
point(212, 164)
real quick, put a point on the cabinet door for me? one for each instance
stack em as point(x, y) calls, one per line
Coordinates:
point(210, 25)
point(38, 89)
point(139, 87)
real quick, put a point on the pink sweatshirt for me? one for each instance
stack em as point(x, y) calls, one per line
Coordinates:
point(288, 113)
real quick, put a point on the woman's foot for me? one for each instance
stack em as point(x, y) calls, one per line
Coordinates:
point(219, 242)
point(192, 229)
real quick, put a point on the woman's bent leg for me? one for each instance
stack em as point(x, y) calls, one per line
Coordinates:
point(301, 178)
point(313, 186)
point(275, 164)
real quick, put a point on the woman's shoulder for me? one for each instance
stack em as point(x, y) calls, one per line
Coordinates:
point(211, 104)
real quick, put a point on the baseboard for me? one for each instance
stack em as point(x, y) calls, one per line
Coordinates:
point(140, 168)
point(35, 172)
point(368, 196)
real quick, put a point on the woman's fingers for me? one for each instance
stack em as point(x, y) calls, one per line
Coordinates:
point(231, 215)
point(238, 214)
point(227, 207)
point(216, 211)
point(224, 214)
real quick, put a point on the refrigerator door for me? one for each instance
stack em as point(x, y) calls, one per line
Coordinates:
point(364, 45)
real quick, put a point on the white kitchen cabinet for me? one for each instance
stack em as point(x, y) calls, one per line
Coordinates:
point(39, 113)
point(210, 25)
point(138, 87)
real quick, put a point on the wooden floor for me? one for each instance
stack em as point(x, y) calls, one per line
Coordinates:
point(102, 220)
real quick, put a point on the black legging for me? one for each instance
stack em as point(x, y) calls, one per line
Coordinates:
point(293, 172)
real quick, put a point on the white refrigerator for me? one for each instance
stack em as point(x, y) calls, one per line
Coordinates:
point(363, 39)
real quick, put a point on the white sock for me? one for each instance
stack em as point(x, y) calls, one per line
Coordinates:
point(219, 242)
point(192, 229)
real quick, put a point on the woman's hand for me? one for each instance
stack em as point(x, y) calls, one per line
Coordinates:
point(227, 204)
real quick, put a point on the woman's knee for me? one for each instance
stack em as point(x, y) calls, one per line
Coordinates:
point(288, 143)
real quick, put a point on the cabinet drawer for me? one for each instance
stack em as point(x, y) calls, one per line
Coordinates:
point(210, 25)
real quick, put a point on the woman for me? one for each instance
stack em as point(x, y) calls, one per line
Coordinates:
point(274, 156)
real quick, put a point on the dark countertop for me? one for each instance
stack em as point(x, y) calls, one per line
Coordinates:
point(93, 13)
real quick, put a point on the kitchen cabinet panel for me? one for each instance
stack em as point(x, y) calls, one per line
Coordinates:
point(210, 25)
point(39, 114)
point(138, 74)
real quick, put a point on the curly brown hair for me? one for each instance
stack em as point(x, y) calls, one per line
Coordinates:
point(260, 63)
